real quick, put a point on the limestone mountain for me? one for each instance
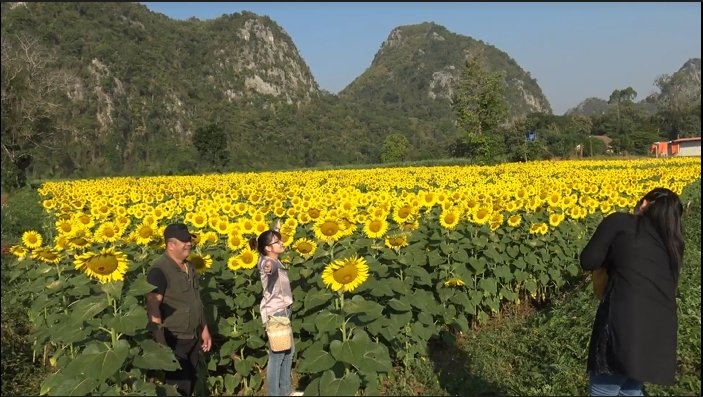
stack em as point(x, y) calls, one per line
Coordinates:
point(683, 85)
point(114, 88)
point(680, 89)
point(417, 68)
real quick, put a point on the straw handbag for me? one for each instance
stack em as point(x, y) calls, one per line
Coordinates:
point(280, 333)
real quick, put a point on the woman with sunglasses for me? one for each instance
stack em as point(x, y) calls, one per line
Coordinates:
point(276, 302)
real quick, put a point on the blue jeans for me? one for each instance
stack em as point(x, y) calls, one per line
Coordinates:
point(614, 385)
point(278, 371)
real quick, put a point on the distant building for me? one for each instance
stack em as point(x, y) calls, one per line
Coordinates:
point(677, 147)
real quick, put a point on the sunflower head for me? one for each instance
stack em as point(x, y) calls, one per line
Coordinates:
point(306, 248)
point(201, 262)
point(345, 275)
point(32, 239)
point(105, 266)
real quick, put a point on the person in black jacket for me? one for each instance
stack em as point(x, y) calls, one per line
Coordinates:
point(634, 333)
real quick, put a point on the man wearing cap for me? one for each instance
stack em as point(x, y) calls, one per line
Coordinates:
point(174, 308)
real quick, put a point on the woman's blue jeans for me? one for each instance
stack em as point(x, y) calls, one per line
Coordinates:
point(614, 385)
point(278, 372)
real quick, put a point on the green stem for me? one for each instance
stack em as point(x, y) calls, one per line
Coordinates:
point(344, 321)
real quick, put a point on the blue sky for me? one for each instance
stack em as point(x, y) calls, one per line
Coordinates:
point(573, 50)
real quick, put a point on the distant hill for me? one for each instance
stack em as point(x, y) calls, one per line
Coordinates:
point(418, 66)
point(683, 86)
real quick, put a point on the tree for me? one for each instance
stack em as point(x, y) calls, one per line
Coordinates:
point(479, 106)
point(678, 107)
point(31, 93)
point(211, 143)
point(395, 148)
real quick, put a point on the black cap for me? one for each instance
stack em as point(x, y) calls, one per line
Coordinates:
point(179, 231)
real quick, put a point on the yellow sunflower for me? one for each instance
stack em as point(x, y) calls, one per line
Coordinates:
point(107, 232)
point(454, 282)
point(233, 263)
point(105, 266)
point(404, 213)
point(246, 259)
point(449, 219)
point(555, 219)
point(19, 252)
point(31, 239)
point(375, 227)
point(345, 274)
point(481, 216)
point(47, 255)
point(496, 221)
point(201, 262)
point(538, 228)
point(396, 242)
point(328, 229)
point(235, 241)
point(306, 248)
point(209, 238)
point(143, 234)
point(65, 227)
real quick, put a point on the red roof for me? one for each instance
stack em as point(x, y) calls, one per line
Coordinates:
point(697, 138)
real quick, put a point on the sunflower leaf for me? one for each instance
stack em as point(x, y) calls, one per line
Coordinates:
point(156, 356)
point(348, 385)
point(327, 321)
point(140, 286)
point(87, 308)
point(130, 322)
point(315, 359)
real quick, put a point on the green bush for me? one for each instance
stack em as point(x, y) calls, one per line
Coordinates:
point(22, 211)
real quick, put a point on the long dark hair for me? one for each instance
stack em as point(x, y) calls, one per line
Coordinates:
point(263, 240)
point(664, 210)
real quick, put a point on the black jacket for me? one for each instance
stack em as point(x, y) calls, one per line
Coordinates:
point(634, 332)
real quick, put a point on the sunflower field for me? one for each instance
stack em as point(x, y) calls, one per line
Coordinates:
point(380, 261)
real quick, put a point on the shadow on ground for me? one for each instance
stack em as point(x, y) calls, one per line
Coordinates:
point(453, 367)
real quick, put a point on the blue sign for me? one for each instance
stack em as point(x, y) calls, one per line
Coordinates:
point(531, 136)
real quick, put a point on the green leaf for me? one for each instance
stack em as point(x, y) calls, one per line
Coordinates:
point(140, 287)
point(75, 387)
point(315, 299)
point(493, 255)
point(243, 367)
point(370, 357)
point(512, 251)
point(421, 275)
point(489, 285)
point(477, 264)
point(425, 318)
point(434, 259)
point(461, 256)
point(315, 359)
point(462, 323)
point(398, 286)
point(342, 351)
point(156, 356)
point(87, 308)
point(135, 319)
point(231, 383)
point(399, 305)
point(103, 364)
point(313, 388)
point(348, 385)
point(327, 321)
point(113, 289)
point(503, 271)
